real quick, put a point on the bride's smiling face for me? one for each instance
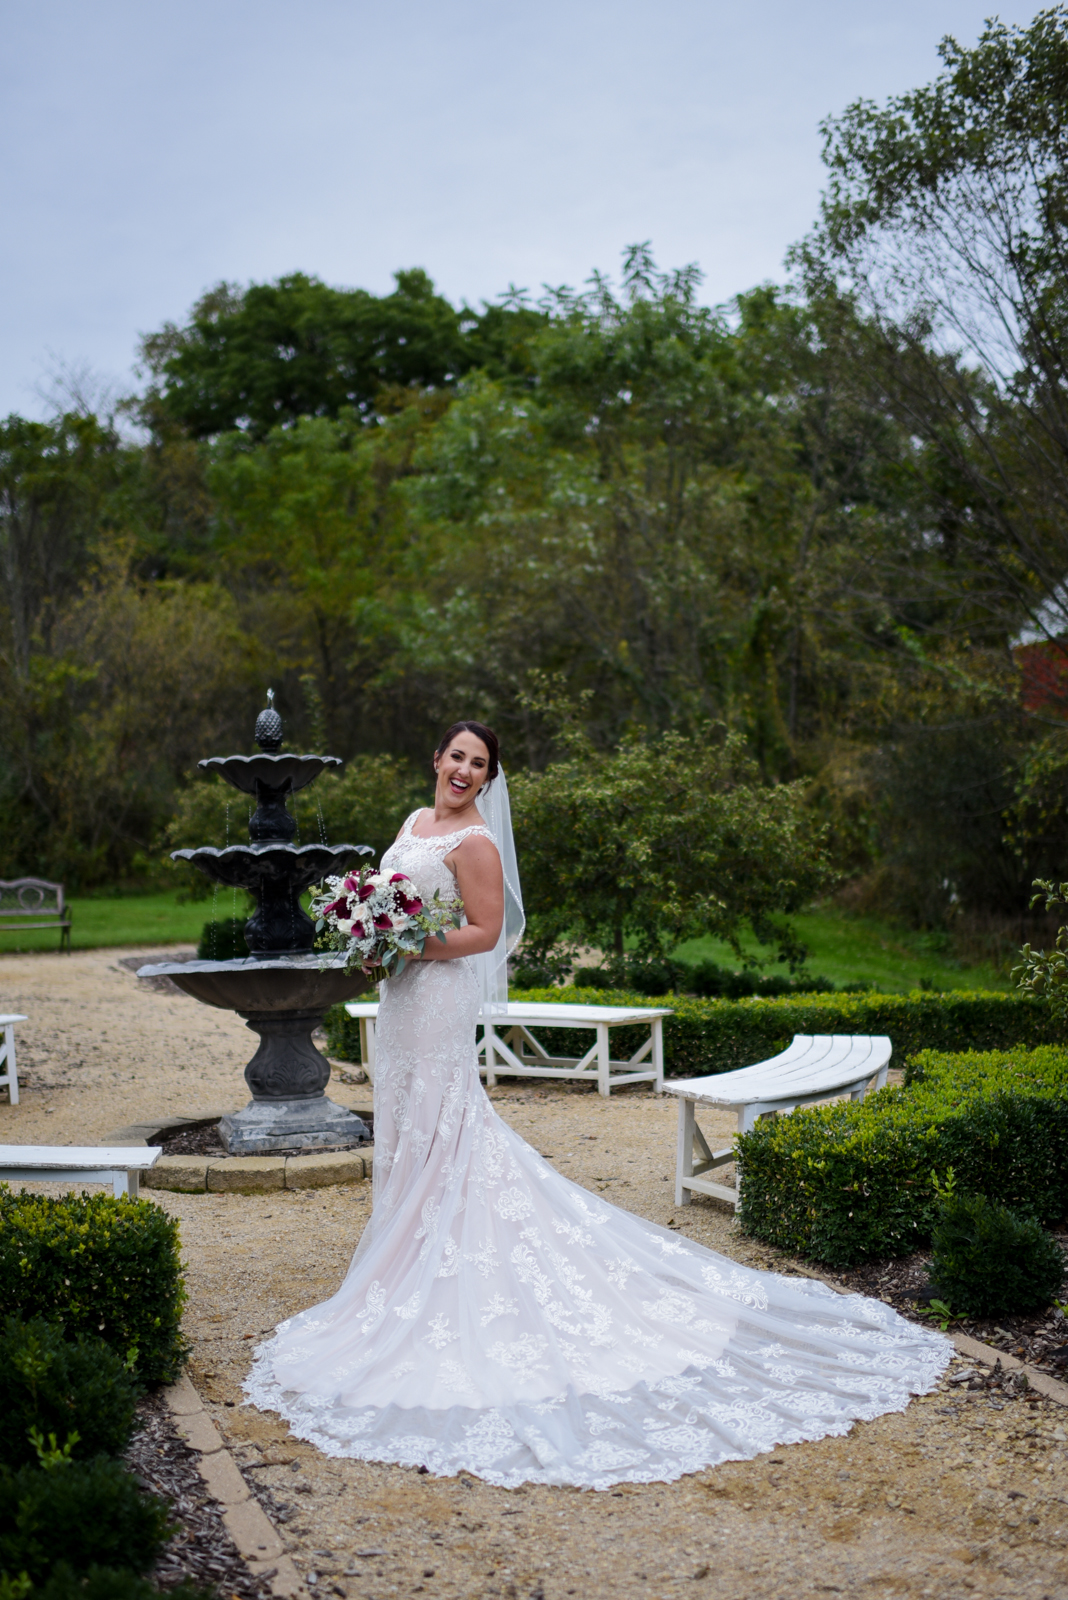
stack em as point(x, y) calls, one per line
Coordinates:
point(461, 770)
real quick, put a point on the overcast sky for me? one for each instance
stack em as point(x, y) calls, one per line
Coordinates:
point(148, 150)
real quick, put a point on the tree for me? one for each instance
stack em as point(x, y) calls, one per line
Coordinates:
point(55, 479)
point(679, 516)
point(663, 840)
point(946, 226)
point(262, 357)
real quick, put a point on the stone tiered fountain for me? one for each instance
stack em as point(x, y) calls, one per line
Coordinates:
point(283, 988)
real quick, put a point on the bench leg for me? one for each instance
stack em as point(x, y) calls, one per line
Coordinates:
point(126, 1183)
point(658, 1054)
point(489, 1039)
point(604, 1055)
point(684, 1153)
point(9, 1060)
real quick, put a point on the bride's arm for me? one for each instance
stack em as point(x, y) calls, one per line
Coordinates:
point(481, 884)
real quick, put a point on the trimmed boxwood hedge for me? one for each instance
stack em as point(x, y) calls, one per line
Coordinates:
point(848, 1182)
point(100, 1266)
point(64, 1387)
point(85, 1513)
point(718, 1035)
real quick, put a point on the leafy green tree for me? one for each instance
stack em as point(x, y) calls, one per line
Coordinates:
point(946, 226)
point(55, 479)
point(660, 840)
point(262, 357)
point(679, 517)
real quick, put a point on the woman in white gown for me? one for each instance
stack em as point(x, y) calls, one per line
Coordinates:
point(501, 1320)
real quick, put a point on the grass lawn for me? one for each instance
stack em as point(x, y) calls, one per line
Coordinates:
point(853, 949)
point(842, 948)
point(136, 919)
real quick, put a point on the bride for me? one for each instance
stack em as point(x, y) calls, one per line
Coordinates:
point(498, 1318)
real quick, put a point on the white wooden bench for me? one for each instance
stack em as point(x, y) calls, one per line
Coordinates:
point(509, 1049)
point(10, 1076)
point(119, 1165)
point(814, 1067)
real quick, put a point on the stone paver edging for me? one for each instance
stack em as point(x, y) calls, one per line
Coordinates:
point(240, 1174)
point(258, 1174)
point(255, 1535)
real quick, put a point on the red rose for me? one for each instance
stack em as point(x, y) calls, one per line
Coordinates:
point(340, 906)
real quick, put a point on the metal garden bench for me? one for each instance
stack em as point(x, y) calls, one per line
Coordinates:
point(34, 897)
point(814, 1067)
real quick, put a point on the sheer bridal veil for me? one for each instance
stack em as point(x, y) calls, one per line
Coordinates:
point(492, 966)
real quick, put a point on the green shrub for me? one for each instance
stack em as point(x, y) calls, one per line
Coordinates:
point(223, 940)
point(85, 1513)
point(848, 1182)
point(101, 1266)
point(705, 1036)
point(989, 1262)
point(105, 1583)
point(61, 1387)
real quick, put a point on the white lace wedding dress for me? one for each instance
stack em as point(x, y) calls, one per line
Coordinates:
point(498, 1318)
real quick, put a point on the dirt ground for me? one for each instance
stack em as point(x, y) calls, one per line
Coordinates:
point(963, 1494)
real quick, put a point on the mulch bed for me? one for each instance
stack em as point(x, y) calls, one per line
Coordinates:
point(203, 1140)
point(201, 1549)
point(1040, 1339)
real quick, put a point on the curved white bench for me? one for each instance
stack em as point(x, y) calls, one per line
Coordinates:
point(119, 1165)
point(818, 1066)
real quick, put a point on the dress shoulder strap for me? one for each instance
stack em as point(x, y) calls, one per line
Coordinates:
point(409, 823)
point(476, 827)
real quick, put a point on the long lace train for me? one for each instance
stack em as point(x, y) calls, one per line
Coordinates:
point(497, 1318)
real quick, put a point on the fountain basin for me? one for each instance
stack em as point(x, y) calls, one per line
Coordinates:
point(283, 1001)
point(253, 866)
point(286, 983)
point(281, 772)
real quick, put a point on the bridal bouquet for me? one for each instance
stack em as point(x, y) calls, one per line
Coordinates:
point(377, 919)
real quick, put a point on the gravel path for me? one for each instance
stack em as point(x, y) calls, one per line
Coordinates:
point(964, 1494)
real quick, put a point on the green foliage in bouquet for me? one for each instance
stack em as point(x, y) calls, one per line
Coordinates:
point(103, 1266)
point(989, 1261)
point(78, 1390)
point(371, 919)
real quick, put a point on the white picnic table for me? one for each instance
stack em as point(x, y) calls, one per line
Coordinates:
point(7, 1054)
point(813, 1067)
point(509, 1049)
point(119, 1165)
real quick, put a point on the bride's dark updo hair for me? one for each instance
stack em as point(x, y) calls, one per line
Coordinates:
point(480, 731)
